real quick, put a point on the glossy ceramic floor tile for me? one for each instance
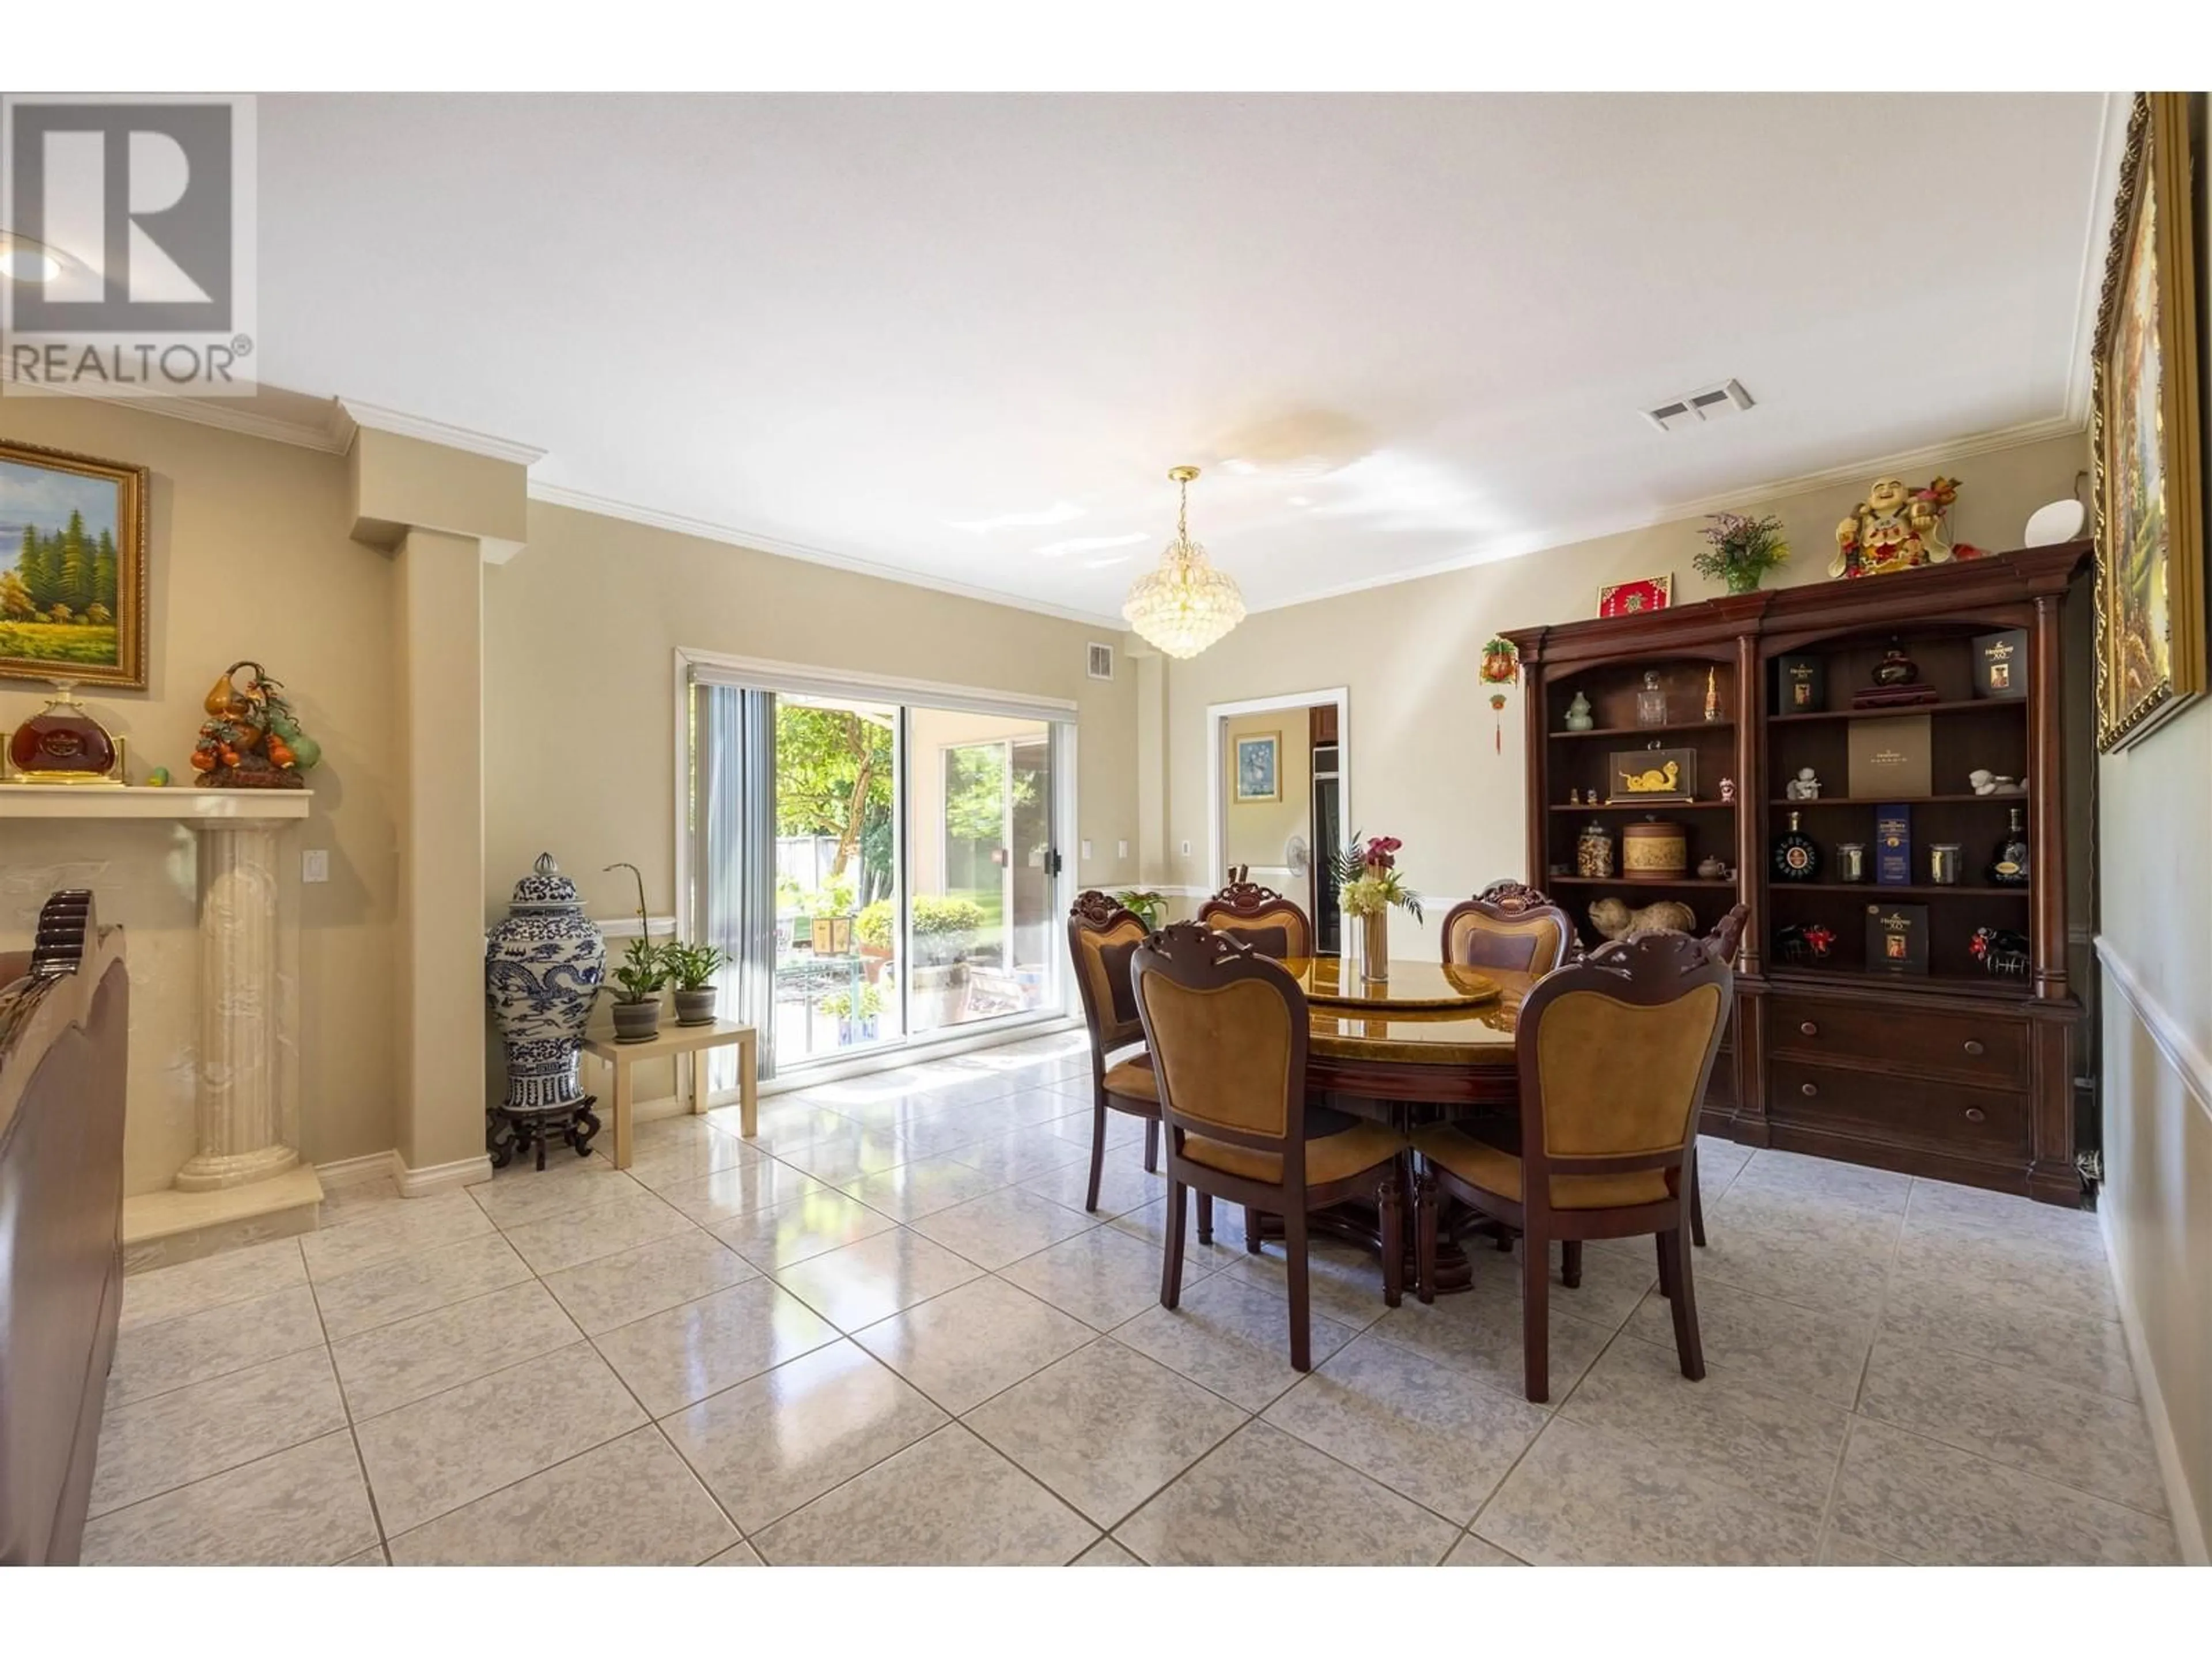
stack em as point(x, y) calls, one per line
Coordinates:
point(783, 1439)
point(965, 1345)
point(1265, 1498)
point(945, 1358)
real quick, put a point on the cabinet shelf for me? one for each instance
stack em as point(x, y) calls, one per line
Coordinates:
point(1648, 730)
point(1646, 807)
point(1957, 889)
point(1960, 984)
point(1632, 883)
point(1897, 800)
point(1969, 705)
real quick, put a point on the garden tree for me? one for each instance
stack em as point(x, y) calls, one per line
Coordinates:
point(104, 572)
point(33, 569)
point(976, 794)
point(833, 776)
point(74, 584)
point(16, 601)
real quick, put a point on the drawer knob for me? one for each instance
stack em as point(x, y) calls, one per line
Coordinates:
point(1975, 1115)
point(1808, 1090)
point(1974, 1047)
point(1809, 1029)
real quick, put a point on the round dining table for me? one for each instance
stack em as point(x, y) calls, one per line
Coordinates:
point(1432, 1042)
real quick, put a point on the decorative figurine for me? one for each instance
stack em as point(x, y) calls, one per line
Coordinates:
point(1574, 798)
point(1594, 853)
point(542, 967)
point(1806, 786)
point(2000, 951)
point(158, 778)
point(1819, 938)
point(254, 740)
point(1894, 529)
point(1579, 718)
point(1985, 782)
point(1614, 919)
point(63, 744)
point(1727, 788)
point(1712, 695)
point(1501, 667)
point(1810, 941)
point(1651, 700)
point(1654, 781)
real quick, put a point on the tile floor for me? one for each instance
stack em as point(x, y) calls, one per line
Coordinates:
point(886, 1332)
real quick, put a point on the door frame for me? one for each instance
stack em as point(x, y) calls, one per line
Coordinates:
point(1217, 715)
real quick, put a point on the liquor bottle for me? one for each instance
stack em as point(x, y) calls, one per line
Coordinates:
point(2009, 867)
point(1795, 856)
point(1651, 700)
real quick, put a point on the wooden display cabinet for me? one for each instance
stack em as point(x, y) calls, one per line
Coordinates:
point(1958, 1074)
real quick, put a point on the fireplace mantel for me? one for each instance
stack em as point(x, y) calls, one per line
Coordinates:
point(92, 800)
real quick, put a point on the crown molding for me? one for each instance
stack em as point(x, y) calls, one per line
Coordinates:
point(707, 529)
point(2104, 197)
point(2011, 437)
point(351, 413)
point(226, 415)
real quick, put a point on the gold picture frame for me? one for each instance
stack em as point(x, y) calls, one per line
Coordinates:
point(2144, 437)
point(1256, 766)
point(80, 523)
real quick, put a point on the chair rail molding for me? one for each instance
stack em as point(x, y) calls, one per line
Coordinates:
point(2189, 1062)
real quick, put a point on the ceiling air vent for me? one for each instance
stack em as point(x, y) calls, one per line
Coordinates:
point(1696, 407)
point(1102, 661)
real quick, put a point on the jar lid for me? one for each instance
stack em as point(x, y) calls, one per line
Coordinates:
point(547, 889)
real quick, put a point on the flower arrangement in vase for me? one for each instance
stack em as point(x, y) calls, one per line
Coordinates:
point(1740, 550)
point(1369, 882)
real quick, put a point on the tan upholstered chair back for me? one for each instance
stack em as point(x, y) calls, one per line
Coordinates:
point(1271, 923)
point(1227, 1030)
point(1615, 1052)
point(1102, 937)
point(1511, 926)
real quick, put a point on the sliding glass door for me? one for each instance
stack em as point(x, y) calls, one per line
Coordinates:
point(885, 869)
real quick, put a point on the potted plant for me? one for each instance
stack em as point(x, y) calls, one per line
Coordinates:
point(945, 932)
point(829, 911)
point(855, 1024)
point(871, 934)
point(693, 967)
point(644, 971)
point(1742, 550)
point(1148, 907)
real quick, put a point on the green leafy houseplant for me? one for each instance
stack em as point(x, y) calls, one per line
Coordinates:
point(693, 967)
point(643, 973)
point(1740, 550)
point(839, 1005)
point(1149, 908)
point(872, 926)
point(945, 929)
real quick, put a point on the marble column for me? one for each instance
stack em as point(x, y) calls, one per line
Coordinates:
point(240, 1126)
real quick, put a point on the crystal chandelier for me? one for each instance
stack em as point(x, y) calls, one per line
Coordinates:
point(1186, 604)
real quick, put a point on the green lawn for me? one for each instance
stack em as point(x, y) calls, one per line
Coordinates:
point(59, 643)
point(991, 899)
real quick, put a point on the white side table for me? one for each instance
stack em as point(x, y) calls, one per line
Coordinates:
point(670, 1043)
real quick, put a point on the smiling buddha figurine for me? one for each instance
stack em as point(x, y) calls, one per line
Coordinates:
point(1894, 529)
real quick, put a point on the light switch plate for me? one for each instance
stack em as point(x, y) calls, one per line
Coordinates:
point(315, 864)
point(1120, 849)
point(1087, 849)
point(1186, 849)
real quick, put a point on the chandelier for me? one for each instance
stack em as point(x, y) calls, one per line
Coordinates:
point(1186, 604)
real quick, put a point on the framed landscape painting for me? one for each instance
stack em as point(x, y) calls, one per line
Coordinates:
point(72, 569)
point(1259, 767)
point(2144, 438)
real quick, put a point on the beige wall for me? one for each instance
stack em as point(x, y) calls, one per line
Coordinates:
point(581, 633)
point(251, 555)
point(1418, 746)
point(1253, 832)
point(2154, 803)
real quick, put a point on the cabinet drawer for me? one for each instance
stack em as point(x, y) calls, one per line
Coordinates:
point(1984, 1048)
point(1926, 1113)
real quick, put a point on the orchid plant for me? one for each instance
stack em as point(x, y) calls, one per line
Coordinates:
point(1368, 881)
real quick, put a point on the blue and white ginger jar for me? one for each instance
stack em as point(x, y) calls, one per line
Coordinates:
point(542, 967)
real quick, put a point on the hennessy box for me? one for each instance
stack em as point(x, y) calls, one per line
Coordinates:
point(1892, 846)
point(1891, 758)
point(1896, 939)
point(2001, 664)
point(1800, 685)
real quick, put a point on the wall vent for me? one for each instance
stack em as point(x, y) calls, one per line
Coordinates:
point(1695, 408)
point(1102, 661)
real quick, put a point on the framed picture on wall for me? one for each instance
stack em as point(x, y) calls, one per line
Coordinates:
point(1631, 599)
point(2143, 434)
point(72, 569)
point(1260, 767)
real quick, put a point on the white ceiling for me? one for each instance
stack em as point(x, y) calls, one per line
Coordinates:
point(964, 337)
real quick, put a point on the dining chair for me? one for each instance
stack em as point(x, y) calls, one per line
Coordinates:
point(1261, 917)
point(1228, 1030)
point(1102, 936)
point(1509, 925)
point(1614, 1054)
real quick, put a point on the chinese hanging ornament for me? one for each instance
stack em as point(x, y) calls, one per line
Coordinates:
point(1501, 667)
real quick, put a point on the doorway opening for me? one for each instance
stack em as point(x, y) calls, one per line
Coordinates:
point(1279, 799)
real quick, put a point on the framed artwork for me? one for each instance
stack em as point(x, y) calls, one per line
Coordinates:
point(1259, 767)
point(72, 569)
point(2144, 435)
point(1631, 598)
